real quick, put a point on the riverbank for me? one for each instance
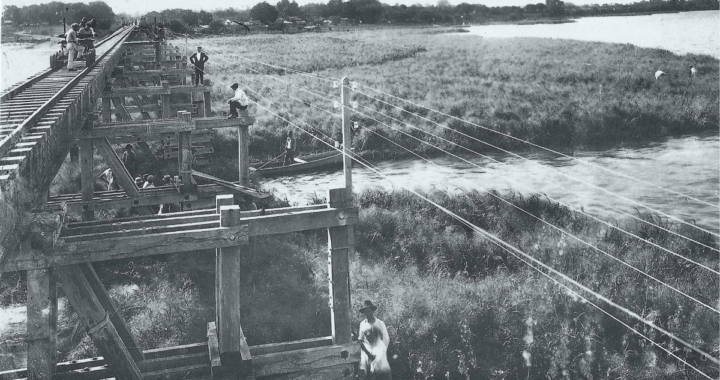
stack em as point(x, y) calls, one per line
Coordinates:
point(557, 93)
point(454, 303)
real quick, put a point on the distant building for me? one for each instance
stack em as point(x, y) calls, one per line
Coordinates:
point(153, 18)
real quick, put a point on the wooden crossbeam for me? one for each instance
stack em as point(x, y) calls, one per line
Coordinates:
point(145, 74)
point(142, 230)
point(156, 90)
point(127, 226)
point(96, 320)
point(231, 185)
point(120, 109)
point(308, 359)
point(137, 129)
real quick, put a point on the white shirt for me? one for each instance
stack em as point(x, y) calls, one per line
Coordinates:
point(108, 175)
point(71, 37)
point(376, 339)
point(240, 97)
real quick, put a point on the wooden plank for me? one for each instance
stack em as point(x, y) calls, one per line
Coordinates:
point(189, 214)
point(139, 224)
point(243, 119)
point(243, 155)
point(337, 372)
point(271, 348)
point(128, 247)
point(95, 319)
point(107, 303)
point(120, 172)
point(140, 130)
point(346, 135)
point(156, 90)
point(41, 323)
point(120, 109)
point(189, 186)
point(340, 243)
point(141, 231)
point(306, 359)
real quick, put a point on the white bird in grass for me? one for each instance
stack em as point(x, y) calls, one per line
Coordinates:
point(658, 74)
point(693, 71)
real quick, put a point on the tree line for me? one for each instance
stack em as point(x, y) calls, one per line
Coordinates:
point(357, 11)
point(53, 13)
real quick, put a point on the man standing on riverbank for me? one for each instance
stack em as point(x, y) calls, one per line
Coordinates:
point(374, 340)
point(71, 40)
point(198, 60)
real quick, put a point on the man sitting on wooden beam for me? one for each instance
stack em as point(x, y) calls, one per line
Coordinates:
point(238, 102)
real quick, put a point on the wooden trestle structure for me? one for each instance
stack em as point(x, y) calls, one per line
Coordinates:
point(65, 252)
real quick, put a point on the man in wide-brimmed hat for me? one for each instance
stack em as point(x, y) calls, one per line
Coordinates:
point(374, 338)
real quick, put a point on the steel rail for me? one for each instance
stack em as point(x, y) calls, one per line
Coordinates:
point(7, 143)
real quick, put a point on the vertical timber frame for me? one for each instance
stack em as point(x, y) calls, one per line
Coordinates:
point(341, 244)
point(243, 157)
point(347, 141)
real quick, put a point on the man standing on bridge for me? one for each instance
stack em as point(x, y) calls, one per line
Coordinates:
point(198, 60)
point(71, 40)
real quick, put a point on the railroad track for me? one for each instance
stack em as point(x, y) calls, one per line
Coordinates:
point(32, 112)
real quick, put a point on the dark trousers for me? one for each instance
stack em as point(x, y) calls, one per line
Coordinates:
point(199, 76)
point(234, 106)
point(289, 157)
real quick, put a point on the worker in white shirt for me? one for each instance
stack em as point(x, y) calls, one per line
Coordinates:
point(238, 102)
point(72, 46)
point(374, 341)
point(108, 177)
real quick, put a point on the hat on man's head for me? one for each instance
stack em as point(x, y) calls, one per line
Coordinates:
point(167, 177)
point(368, 305)
point(75, 25)
point(289, 133)
point(234, 86)
point(128, 146)
point(199, 47)
point(151, 178)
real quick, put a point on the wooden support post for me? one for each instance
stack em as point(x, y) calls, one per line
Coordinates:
point(347, 141)
point(206, 100)
point(87, 178)
point(106, 115)
point(97, 322)
point(185, 158)
point(165, 101)
point(233, 348)
point(41, 323)
point(220, 201)
point(115, 317)
point(341, 244)
point(243, 156)
point(158, 53)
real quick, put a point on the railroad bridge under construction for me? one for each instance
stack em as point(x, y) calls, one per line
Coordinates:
point(55, 112)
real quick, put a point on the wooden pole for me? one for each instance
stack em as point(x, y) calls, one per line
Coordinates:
point(97, 322)
point(243, 157)
point(185, 157)
point(41, 323)
point(165, 100)
point(227, 287)
point(220, 200)
point(347, 141)
point(340, 244)
point(87, 178)
point(206, 99)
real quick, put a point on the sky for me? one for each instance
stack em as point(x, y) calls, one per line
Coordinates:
point(138, 7)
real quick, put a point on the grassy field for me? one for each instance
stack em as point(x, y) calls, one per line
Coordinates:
point(559, 93)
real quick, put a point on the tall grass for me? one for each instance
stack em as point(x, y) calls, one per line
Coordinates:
point(558, 93)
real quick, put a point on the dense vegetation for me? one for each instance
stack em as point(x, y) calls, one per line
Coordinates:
point(53, 13)
point(565, 94)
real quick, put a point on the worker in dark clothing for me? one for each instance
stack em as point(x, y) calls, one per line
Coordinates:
point(198, 60)
point(129, 159)
point(290, 149)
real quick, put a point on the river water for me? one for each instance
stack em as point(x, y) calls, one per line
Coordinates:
point(687, 165)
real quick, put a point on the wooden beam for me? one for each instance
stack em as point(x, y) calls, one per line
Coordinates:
point(156, 90)
point(128, 247)
point(41, 323)
point(107, 303)
point(232, 185)
point(340, 244)
point(346, 135)
point(96, 321)
point(122, 225)
point(243, 154)
point(185, 157)
point(139, 129)
point(142, 231)
point(272, 348)
point(301, 221)
point(345, 371)
point(308, 359)
point(144, 74)
point(120, 109)
point(243, 119)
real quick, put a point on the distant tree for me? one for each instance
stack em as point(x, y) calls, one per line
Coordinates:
point(264, 12)
point(288, 9)
point(11, 12)
point(102, 13)
point(205, 18)
point(555, 7)
point(367, 11)
point(216, 27)
point(177, 26)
